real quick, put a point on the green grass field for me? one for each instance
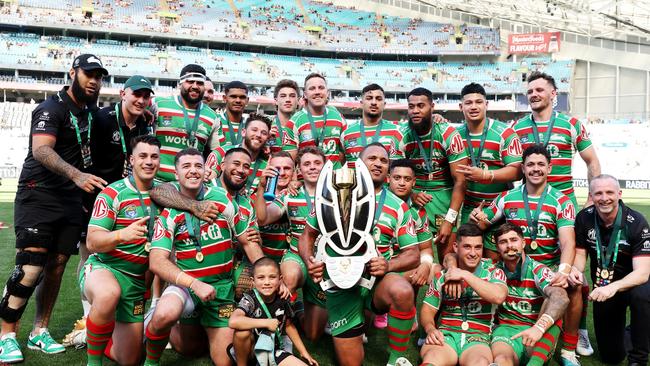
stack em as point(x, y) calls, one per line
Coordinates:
point(68, 307)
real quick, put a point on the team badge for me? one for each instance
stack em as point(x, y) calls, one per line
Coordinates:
point(512, 213)
point(131, 212)
point(166, 121)
point(116, 136)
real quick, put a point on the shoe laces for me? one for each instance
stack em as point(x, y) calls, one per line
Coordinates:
point(9, 345)
point(46, 337)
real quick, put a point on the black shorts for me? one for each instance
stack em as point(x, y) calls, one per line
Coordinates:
point(51, 220)
point(279, 355)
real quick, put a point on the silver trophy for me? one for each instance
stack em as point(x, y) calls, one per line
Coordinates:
point(345, 209)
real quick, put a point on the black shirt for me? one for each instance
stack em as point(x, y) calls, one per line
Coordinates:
point(634, 241)
point(52, 117)
point(280, 309)
point(106, 144)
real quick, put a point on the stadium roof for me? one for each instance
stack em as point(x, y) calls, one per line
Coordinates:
point(592, 18)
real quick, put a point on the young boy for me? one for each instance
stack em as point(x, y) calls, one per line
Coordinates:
point(261, 312)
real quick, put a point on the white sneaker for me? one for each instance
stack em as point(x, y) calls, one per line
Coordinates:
point(568, 358)
point(402, 361)
point(584, 346)
point(10, 350)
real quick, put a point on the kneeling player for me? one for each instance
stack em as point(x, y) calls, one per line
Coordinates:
point(261, 312)
point(462, 333)
point(396, 241)
point(531, 308)
point(119, 233)
point(202, 290)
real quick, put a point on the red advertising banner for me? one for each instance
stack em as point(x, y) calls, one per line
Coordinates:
point(534, 43)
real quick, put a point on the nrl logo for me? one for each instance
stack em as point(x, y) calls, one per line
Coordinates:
point(345, 208)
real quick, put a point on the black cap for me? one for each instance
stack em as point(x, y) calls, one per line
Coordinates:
point(193, 72)
point(89, 62)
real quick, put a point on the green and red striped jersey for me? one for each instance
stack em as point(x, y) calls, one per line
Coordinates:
point(299, 133)
point(568, 135)
point(525, 293)
point(171, 132)
point(215, 159)
point(297, 210)
point(557, 212)
point(501, 148)
point(116, 207)
point(388, 135)
point(480, 313)
point(225, 136)
point(274, 238)
point(442, 145)
point(171, 234)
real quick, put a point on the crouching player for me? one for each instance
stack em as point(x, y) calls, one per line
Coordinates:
point(527, 333)
point(462, 333)
point(202, 291)
point(119, 233)
point(261, 315)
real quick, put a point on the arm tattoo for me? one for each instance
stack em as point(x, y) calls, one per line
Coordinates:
point(53, 162)
point(167, 196)
point(555, 303)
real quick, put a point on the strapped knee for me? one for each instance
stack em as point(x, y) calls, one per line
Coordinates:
point(33, 263)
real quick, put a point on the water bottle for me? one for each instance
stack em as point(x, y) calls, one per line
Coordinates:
point(269, 192)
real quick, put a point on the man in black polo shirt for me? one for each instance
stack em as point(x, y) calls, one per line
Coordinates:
point(47, 209)
point(110, 145)
point(617, 240)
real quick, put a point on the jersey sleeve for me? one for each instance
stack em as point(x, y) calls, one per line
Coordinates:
point(236, 222)
point(105, 211)
point(164, 230)
point(213, 162)
point(280, 202)
point(454, 145)
point(511, 148)
point(422, 225)
point(46, 120)
point(312, 221)
point(567, 213)
point(640, 237)
point(494, 211)
point(543, 276)
point(497, 276)
point(406, 232)
point(247, 305)
point(433, 296)
point(582, 140)
point(290, 141)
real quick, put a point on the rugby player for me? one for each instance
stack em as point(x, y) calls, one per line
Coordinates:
point(396, 242)
point(187, 113)
point(533, 309)
point(550, 235)
point(437, 150)
point(113, 278)
point(232, 120)
point(297, 208)
point(372, 127)
point(201, 293)
point(495, 155)
point(286, 94)
point(317, 124)
point(48, 207)
point(462, 333)
point(110, 143)
point(208, 97)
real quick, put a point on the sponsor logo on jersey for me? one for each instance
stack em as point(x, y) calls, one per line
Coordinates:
point(646, 244)
point(591, 234)
point(474, 307)
point(100, 210)
point(584, 134)
point(547, 274)
point(131, 211)
point(116, 136)
point(553, 150)
point(410, 227)
point(569, 211)
point(499, 274)
point(40, 125)
point(431, 290)
point(158, 230)
point(457, 145)
point(514, 149)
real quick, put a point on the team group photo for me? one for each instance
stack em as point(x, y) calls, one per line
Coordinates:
point(266, 182)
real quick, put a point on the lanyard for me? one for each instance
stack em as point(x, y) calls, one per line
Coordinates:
point(382, 198)
point(428, 160)
point(267, 312)
point(152, 209)
point(75, 123)
point(234, 139)
point(549, 131)
point(251, 178)
point(307, 198)
point(516, 275)
point(312, 125)
point(533, 221)
point(463, 302)
point(375, 137)
point(279, 137)
point(194, 229)
point(612, 247)
point(476, 160)
point(191, 128)
point(119, 128)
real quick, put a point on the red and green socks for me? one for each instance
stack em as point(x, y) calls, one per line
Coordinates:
point(399, 331)
point(97, 338)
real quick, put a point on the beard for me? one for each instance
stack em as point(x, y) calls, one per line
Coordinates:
point(80, 94)
point(232, 186)
point(185, 94)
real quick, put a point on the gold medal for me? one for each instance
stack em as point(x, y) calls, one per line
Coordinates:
point(147, 246)
point(533, 245)
point(464, 325)
point(199, 257)
point(604, 274)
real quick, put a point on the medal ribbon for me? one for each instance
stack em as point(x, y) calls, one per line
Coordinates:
point(476, 160)
point(428, 163)
point(549, 131)
point(312, 125)
point(251, 178)
point(234, 140)
point(75, 123)
point(280, 135)
point(463, 301)
point(190, 129)
point(533, 221)
point(194, 229)
point(516, 275)
point(278, 336)
point(375, 137)
point(151, 209)
point(308, 199)
point(609, 257)
point(382, 198)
